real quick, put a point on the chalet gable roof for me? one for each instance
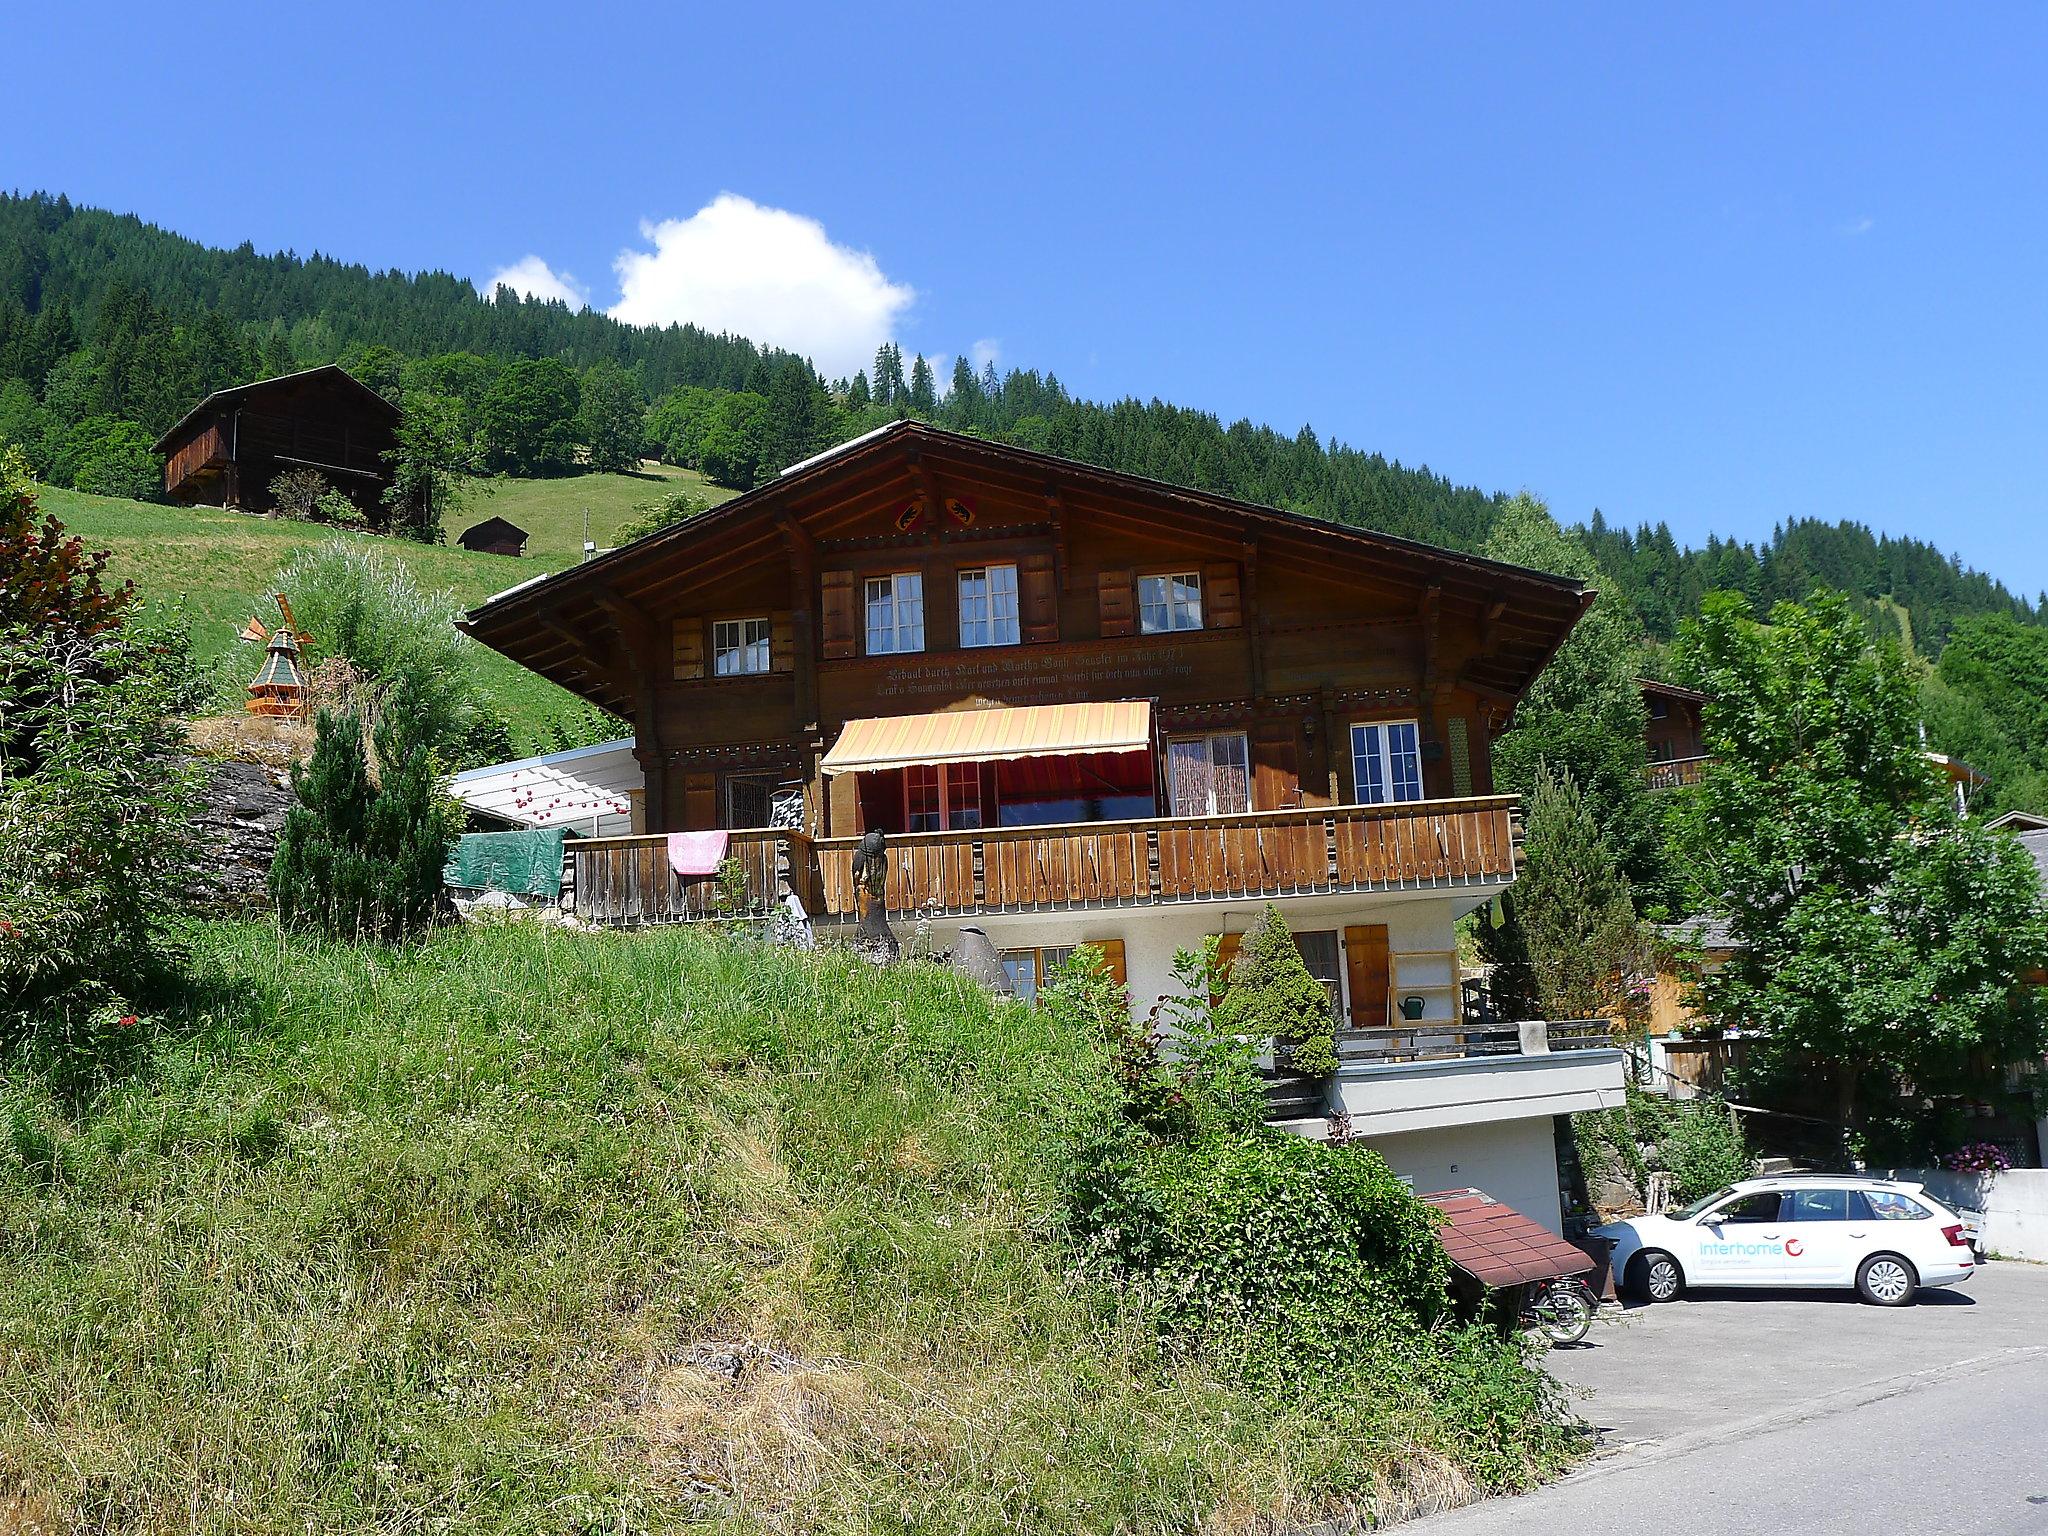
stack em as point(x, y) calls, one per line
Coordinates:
point(542, 623)
point(491, 526)
point(325, 373)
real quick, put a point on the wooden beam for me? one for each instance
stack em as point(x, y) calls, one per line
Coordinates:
point(1254, 629)
point(803, 578)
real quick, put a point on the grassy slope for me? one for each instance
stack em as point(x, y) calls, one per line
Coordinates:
point(444, 1242)
point(211, 567)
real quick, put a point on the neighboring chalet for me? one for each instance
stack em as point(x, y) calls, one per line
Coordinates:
point(494, 536)
point(1672, 732)
point(1089, 708)
point(227, 449)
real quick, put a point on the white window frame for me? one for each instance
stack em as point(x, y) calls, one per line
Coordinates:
point(1169, 602)
point(1209, 740)
point(742, 647)
point(1372, 744)
point(990, 613)
point(900, 597)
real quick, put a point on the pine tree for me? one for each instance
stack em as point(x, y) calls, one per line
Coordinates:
point(923, 395)
point(407, 832)
point(320, 878)
point(884, 395)
point(1578, 928)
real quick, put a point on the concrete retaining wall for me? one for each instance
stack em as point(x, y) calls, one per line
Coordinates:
point(2014, 1203)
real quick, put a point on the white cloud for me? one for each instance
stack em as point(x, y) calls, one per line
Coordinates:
point(763, 273)
point(1862, 226)
point(985, 351)
point(534, 278)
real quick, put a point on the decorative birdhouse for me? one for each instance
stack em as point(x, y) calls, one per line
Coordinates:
point(280, 688)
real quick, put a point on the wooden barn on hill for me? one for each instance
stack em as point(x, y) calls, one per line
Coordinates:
point(494, 536)
point(227, 449)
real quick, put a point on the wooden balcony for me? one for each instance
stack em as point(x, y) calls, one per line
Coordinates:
point(1419, 846)
point(627, 882)
point(1675, 773)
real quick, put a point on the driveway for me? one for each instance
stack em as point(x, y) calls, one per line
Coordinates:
point(1754, 1410)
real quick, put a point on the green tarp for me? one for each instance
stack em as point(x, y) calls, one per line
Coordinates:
point(521, 863)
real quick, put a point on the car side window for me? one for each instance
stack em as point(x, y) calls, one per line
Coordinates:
point(1890, 1205)
point(1820, 1205)
point(1760, 1206)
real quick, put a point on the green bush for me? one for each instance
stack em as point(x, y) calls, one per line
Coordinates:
point(1699, 1142)
point(1306, 1271)
point(1272, 995)
point(95, 847)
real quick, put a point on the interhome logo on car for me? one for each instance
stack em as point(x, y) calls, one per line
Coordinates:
point(1749, 1250)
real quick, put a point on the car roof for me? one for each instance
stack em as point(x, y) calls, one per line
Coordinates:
point(1825, 1181)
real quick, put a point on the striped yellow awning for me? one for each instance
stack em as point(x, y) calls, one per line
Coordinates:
point(990, 735)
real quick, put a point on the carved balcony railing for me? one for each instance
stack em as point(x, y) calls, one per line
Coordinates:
point(1420, 845)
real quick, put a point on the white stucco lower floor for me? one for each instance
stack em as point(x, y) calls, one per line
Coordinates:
point(1478, 1123)
point(1416, 923)
point(1515, 1161)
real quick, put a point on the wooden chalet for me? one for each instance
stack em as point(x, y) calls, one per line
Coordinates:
point(1083, 707)
point(228, 448)
point(1671, 732)
point(494, 536)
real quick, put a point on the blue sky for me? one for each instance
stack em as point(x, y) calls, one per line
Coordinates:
point(1719, 269)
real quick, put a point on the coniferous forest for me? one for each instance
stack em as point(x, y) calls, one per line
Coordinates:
point(110, 328)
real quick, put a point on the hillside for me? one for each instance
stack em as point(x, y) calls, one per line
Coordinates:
point(544, 1232)
point(107, 321)
point(212, 567)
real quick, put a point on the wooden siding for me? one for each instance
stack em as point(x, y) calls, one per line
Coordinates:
point(1429, 845)
point(206, 450)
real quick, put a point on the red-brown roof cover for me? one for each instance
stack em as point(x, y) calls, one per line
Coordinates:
point(1497, 1245)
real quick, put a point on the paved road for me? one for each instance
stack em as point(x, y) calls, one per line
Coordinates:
point(1747, 1412)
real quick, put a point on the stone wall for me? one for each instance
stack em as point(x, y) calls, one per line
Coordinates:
point(241, 812)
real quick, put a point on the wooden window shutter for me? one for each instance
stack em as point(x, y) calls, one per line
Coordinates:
point(700, 802)
point(781, 642)
point(689, 649)
point(1365, 966)
point(1112, 952)
point(1114, 602)
point(1276, 775)
point(1222, 597)
point(837, 615)
point(1038, 600)
point(1460, 744)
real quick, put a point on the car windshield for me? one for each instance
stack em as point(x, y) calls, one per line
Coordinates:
point(1688, 1212)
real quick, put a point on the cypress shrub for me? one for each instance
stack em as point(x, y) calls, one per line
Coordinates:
point(357, 860)
point(1272, 993)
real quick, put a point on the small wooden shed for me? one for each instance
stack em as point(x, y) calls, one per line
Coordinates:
point(494, 536)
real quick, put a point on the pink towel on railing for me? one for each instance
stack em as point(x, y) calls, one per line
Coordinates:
point(696, 853)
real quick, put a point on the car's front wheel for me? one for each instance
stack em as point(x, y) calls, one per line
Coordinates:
point(1886, 1280)
point(1658, 1277)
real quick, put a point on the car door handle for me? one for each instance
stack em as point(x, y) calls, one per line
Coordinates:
point(1859, 1236)
point(1771, 1236)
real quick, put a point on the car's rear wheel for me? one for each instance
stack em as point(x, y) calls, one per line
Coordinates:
point(1657, 1275)
point(1886, 1280)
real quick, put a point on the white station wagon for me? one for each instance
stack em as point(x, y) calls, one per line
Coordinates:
point(1885, 1239)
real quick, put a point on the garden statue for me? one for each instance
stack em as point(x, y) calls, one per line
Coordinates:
point(872, 935)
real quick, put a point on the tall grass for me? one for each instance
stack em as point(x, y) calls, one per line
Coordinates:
point(526, 1231)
